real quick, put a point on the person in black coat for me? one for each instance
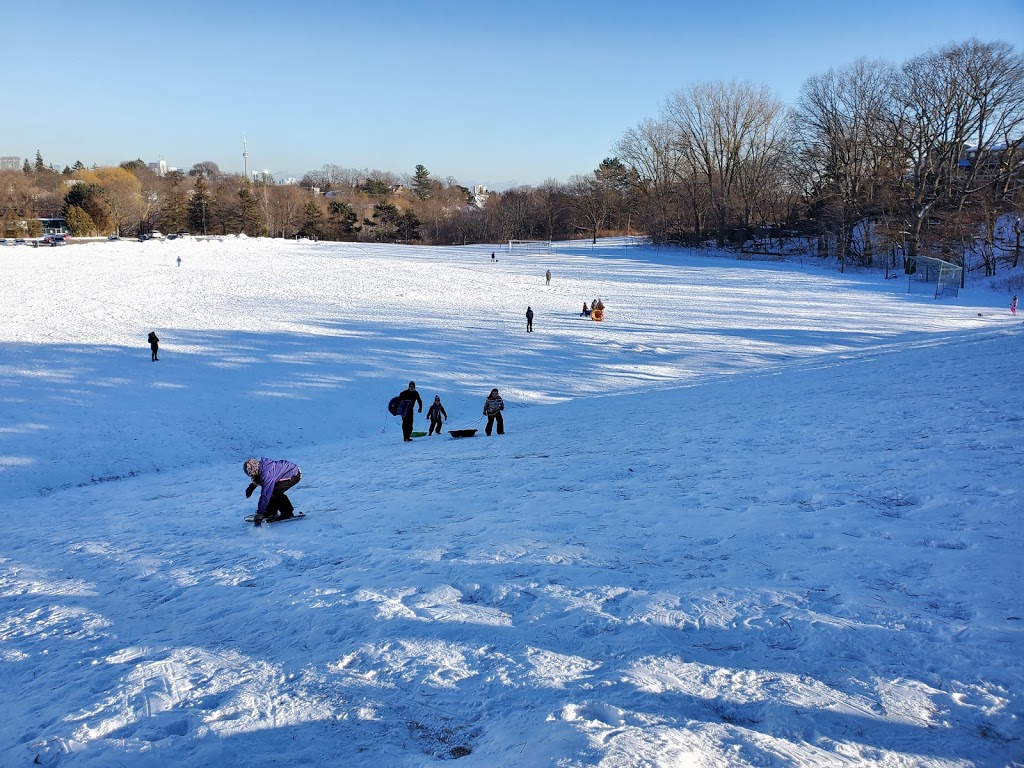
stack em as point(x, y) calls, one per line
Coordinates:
point(529, 320)
point(434, 414)
point(409, 398)
point(154, 345)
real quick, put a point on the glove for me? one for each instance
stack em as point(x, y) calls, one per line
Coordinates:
point(249, 490)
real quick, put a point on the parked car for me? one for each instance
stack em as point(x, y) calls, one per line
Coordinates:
point(54, 240)
point(19, 241)
point(3, 241)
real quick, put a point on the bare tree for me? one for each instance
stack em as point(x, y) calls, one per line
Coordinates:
point(841, 130)
point(961, 100)
point(590, 201)
point(726, 131)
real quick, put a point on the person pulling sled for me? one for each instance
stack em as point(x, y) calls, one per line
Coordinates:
point(274, 477)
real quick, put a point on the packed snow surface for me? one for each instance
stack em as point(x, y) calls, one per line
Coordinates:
point(761, 515)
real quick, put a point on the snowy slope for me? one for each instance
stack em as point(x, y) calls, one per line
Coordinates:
point(762, 515)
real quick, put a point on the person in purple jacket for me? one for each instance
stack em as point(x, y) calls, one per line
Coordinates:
point(274, 477)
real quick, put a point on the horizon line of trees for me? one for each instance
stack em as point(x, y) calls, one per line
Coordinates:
point(874, 163)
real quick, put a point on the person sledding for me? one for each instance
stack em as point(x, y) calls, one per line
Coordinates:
point(274, 478)
point(435, 413)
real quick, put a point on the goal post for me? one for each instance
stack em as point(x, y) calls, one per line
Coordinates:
point(933, 276)
point(523, 247)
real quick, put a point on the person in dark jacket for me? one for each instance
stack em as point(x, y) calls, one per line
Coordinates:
point(529, 320)
point(434, 413)
point(274, 477)
point(493, 406)
point(409, 398)
point(154, 345)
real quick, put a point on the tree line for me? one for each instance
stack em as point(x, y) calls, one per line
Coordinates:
point(874, 163)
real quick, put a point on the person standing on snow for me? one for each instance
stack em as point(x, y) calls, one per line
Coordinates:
point(154, 345)
point(409, 398)
point(434, 414)
point(493, 406)
point(547, 277)
point(274, 477)
point(529, 320)
point(1013, 306)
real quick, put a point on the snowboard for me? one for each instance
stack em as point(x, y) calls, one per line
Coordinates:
point(274, 521)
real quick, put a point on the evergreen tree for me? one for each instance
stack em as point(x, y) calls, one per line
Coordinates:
point(40, 166)
point(374, 187)
point(313, 224)
point(78, 166)
point(26, 168)
point(79, 222)
point(174, 211)
point(90, 198)
point(387, 218)
point(343, 218)
point(249, 209)
point(409, 227)
point(421, 183)
point(199, 207)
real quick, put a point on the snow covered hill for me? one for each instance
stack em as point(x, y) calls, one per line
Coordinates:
point(760, 515)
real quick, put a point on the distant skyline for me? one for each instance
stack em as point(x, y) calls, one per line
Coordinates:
point(499, 95)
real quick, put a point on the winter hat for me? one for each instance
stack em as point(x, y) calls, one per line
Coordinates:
point(252, 467)
point(437, 398)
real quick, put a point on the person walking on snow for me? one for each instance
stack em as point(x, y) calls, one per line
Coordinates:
point(409, 398)
point(1013, 306)
point(493, 406)
point(529, 320)
point(154, 345)
point(434, 413)
point(274, 477)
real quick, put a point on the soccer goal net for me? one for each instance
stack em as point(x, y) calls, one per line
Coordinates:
point(528, 246)
point(934, 277)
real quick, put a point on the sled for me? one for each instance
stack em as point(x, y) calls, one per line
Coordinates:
point(275, 520)
point(461, 432)
point(597, 315)
point(417, 434)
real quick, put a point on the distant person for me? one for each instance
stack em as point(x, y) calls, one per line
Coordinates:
point(547, 277)
point(154, 345)
point(274, 477)
point(408, 399)
point(493, 406)
point(435, 414)
point(586, 310)
point(1013, 306)
point(492, 256)
point(529, 320)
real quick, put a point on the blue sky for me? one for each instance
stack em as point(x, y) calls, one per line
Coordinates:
point(489, 93)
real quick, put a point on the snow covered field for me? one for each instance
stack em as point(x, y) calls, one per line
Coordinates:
point(763, 515)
